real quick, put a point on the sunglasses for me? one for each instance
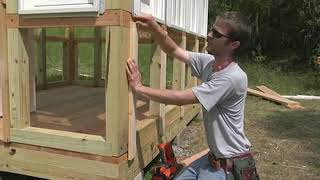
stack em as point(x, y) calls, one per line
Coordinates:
point(217, 34)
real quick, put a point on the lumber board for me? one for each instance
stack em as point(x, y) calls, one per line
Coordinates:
point(12, 6)
point(117, 89)
point(114, 17)
point(97, 55)
point(116, 4)
point(288, 103)
point(32, 70)
point(54, 166)
point(42, 59)
point(132, 133)
point(158, 80)
point(4, 79)
point(71, 141)
point(18, 78)
point(179, 71)
point(188, 161)
point(267, 90)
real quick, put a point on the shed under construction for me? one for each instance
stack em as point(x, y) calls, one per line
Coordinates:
point(82, 126)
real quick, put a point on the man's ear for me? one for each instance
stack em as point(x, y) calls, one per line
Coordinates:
point(235, 45)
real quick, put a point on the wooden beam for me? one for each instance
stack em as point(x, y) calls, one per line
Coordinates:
point(62, 140)
point(288, 103)
point(32, 70)
point(42, 60)
point(4, 80)
point(116, 4)
point(109, 18)
point(72, 55)
point(132, 139)
point(265, 89)
point(55, 166)
point(11, 6)
point(97, 56)
point(179, 70)
point(18, 58)
point(158, 69)
point(117, 89)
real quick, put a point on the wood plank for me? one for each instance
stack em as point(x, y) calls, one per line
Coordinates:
point(179, 70)
point(97, 56)
point(52, 38)
point(32, 70)
point(4, 79)
point(267, 90)
point(12, 6)
point(117, 89)
point(18, 78)
point(189, 160)
point(72, 54)
point(94, 157)
point(132, 133)
point(114, 17)
point(54, 166)
point(116, 4)
point(288, 103)
point(42, 60)
point(158, 80)
point(71, 141)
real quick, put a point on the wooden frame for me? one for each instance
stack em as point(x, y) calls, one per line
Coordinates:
point(126, 148)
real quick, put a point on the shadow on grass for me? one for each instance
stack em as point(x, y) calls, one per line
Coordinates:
point(301, 127)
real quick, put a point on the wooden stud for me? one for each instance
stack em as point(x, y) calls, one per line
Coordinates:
point(132, 141)
point(32, 69)
point(179, 70)
point(97, 56)
point(42, 60)
point(158, 80)
point(65, 58)
point(18, 58)
point(72, 55)
point(116, 4)
point(195, 49)
point(4, 80)
point(117, 89)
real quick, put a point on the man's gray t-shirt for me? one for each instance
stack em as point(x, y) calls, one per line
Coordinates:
point(222, 95)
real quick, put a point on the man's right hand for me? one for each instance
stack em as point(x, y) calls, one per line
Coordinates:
point(146, 20)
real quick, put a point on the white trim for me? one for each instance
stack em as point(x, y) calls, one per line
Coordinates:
point(27, 7)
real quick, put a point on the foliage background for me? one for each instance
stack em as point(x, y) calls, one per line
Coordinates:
point(286, 34)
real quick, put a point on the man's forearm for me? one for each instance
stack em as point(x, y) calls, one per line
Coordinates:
point(161, 37)
point(167, 96)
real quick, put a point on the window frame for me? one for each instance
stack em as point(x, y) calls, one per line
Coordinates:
point(27, 7)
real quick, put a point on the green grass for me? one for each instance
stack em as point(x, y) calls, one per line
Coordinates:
point(286, 83)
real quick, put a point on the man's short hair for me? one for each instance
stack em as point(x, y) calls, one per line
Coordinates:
point(240, 26)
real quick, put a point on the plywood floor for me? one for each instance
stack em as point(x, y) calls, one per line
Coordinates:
point(75, 109)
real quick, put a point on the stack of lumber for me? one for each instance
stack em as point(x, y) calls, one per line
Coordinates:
point(267, 93)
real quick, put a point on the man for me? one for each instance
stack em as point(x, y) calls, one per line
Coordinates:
point(222, 96)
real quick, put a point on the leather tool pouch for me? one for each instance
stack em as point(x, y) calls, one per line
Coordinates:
point(245, 169)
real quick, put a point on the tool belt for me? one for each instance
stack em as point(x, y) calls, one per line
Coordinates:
point(238, 167)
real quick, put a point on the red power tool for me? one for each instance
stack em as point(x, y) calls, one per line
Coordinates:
point(168, 167)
